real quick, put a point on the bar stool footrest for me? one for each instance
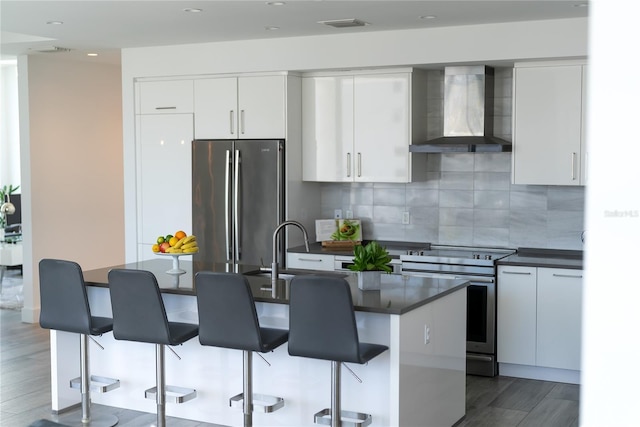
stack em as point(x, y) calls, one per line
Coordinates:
point(172, 393)
point(261, 402)
point(348, 418)
point(96, 384)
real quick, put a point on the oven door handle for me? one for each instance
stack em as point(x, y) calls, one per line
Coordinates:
point(479, 358)
point(475, 279)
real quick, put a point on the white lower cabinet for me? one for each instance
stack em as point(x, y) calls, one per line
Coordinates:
point(516, 298)
point(310, 261)
point(559, 312)
point(539, 322)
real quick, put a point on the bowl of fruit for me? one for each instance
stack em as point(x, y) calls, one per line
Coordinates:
point(176, 245)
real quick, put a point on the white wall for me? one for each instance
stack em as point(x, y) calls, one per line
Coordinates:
point(497, 43)
point(72, 174)
point(9, 135)
point(611, 316)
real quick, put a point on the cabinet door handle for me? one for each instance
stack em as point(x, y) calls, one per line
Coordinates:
point(359, 164)
point(242, 121)
point(524, 273)
point(349, 165)
point(231, 122)
point(166, 108)
point(572, 276)
point(310, 259)
point(573, 166)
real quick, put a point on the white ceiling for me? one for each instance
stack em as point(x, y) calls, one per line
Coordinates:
point(105, 27)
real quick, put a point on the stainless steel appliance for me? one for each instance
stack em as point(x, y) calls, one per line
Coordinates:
point(468, 114)
point(238, 200)
point(478, 265)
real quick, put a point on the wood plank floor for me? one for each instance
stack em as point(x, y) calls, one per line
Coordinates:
point(25, 393)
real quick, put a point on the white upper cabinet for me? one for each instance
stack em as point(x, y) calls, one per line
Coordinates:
point(548, 124)
point(358, 128)
point(164, 97)
point(248, 107)
point(327, 129)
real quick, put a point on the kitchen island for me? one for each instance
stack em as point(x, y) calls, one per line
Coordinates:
point(419, 381)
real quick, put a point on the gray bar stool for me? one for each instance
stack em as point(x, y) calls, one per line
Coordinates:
point(228, 318)
point(139, 315)
point(322, 325)
point(64, 306)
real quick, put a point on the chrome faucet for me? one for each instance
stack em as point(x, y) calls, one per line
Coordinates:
point(274, 264)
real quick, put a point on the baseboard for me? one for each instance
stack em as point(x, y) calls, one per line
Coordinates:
point(30, 315)
point(539, 373)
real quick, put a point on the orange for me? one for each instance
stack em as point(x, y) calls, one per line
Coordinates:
point(180, 234)
point(155, 248)
point(173, 241)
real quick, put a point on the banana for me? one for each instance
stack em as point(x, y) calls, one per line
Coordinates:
point(179, 243)
point(190, 250)
point(173, 250)
point(189, 239)
point(190, 245)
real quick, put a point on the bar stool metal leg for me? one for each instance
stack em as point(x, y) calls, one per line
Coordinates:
point(160, 386)
point(88, 420)
point(84, 374)
point(335, 395)
point(247, 406)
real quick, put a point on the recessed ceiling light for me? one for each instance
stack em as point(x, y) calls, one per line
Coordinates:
point(271, 28)
point(428, 17)
point(92, 54)
point(275, 3)
point(192, 10)
point(55, 22)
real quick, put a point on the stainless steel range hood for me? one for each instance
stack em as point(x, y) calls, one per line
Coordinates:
point(468, 114)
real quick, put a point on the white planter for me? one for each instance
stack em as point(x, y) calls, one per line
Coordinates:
point(369, 280)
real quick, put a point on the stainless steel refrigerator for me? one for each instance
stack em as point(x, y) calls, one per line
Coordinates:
point(238, 200)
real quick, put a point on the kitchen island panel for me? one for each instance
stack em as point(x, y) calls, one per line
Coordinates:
point(410, 384)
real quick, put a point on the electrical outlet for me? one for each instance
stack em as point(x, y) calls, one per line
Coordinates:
point(427, 335)
point(337, 213)
point(349, 214)
point(406, 218)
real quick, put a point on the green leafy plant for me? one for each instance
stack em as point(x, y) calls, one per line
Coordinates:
point(371, 257)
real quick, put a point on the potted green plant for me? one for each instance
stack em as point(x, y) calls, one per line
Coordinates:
point(370, 261)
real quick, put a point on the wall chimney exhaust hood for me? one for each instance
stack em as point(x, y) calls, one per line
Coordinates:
point(468, 114)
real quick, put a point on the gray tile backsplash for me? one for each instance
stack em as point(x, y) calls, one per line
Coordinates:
point(468, 198)
point(489, 211)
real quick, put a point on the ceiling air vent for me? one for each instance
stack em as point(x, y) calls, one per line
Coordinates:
point(344, 23)
point(51, 49)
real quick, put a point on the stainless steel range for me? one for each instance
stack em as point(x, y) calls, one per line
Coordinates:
point(478, 265)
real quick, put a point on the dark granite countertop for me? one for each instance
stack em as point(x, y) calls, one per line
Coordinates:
point(552, 258)
point(398, 294)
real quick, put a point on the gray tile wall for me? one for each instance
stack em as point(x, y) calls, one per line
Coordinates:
point(468, 199)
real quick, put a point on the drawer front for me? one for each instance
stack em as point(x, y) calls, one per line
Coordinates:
point(310, 261)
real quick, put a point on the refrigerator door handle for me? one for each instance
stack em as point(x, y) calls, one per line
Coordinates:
point(236, 207)
point(227, 200)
